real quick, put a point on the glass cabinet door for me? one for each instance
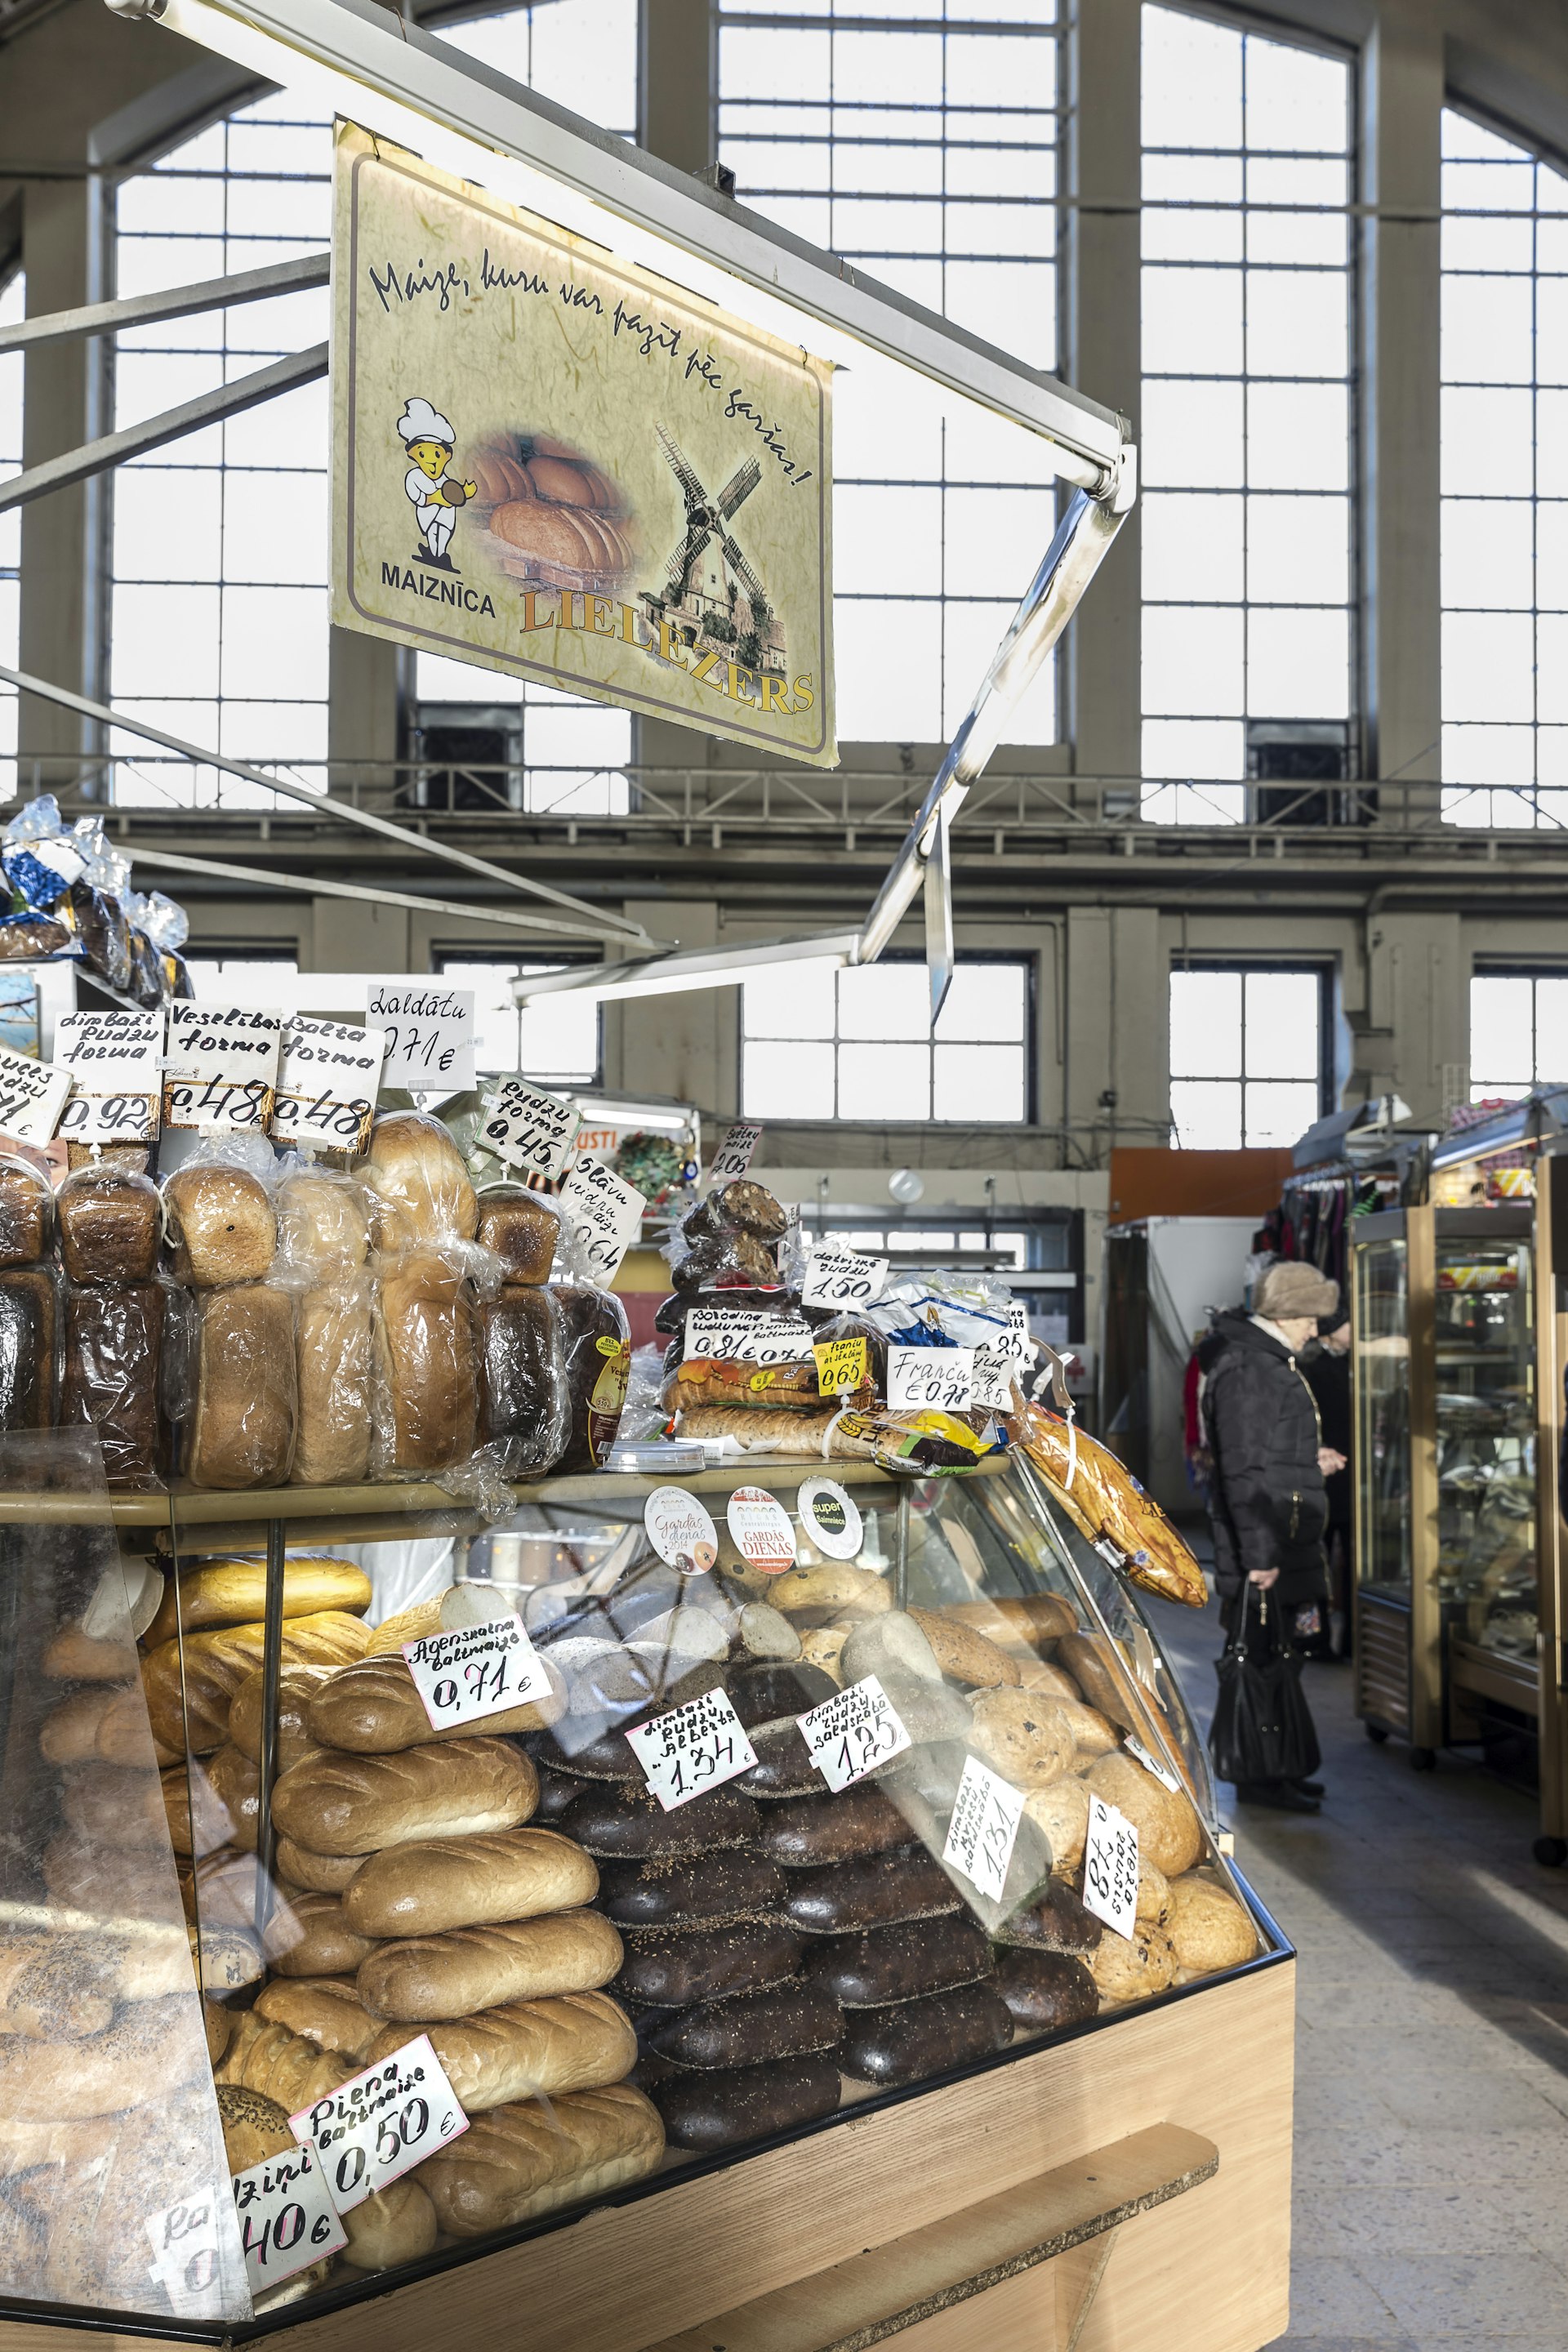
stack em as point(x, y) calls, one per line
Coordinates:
point(1486, 1440)
point(1381, 1323)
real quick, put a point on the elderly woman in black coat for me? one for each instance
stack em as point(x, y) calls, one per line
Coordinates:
point(1269, 1502)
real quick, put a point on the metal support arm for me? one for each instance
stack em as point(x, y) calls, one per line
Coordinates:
point(179, 302)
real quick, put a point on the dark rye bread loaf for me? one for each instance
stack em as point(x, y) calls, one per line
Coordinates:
point(669, 1969)
point(884, 1965)
point(917, 2038)
point(1045, 1991)
point(876, 1890)
point(109, 1226)
point(790, 2021)
point(618, 1825)
point(708, 2112)
point(800, 1832)
point(27, 1330)
point(700, 1888)
point(113, 1347)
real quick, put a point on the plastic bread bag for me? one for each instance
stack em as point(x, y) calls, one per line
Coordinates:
point(523, 1229)
point(768, 1366)
point(114, 1351)
point(731, 1240)
point(955, 1309)
point(41, 860)
point(111, 1224)
point(334, 1354)
point(426, 1379)
point(323, 1222)
point(1108, 1505)
point(920, 1444)
point(220, 1221)
point(104, 933)
point(27, 1211)
point(595, 1360)
point(30, 1337)
point(420, 1190)
point(238, 1366)
point(524, 1407)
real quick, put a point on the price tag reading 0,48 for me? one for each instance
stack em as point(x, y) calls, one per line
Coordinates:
point(380, 2124)
point(475, 1671)
point(691, 1749)
point(853, 1732)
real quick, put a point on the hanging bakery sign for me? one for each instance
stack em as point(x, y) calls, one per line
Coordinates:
point(552, 463)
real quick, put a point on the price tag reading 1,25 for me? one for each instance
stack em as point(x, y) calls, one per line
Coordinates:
point(986, 1816)
point(475, 1671)
point(733, 1156)
point(853, 1732)
point(930, 1379)
point(536, 1133)
point(691, 1749)
point(1110, 1867)
point(842, 1279)
point(285, 2218)
point(380, 2124)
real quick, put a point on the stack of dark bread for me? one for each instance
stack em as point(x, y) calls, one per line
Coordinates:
point(110, 1226)
point(29, 1313)
point(238, 1412)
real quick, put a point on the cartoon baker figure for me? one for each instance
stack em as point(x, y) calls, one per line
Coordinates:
point(433, 492)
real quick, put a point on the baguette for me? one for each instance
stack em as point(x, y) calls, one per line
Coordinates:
point(419, 1978)
point(408, 1625)
point(432, 1886)
point(519, 2161)
point(526, 2050)
point(357, 1804)
point(308, 1935)
point(296, 1685)
point(234, 1593)
point(371, 1708)
point(215, 1664)
point(323, 1874)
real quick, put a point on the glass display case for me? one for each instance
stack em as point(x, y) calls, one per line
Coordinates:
point(623, 1912)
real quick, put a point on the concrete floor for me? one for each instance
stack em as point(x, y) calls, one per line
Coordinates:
point(1431, 2174)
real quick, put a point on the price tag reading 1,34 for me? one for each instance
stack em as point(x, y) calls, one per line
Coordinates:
point(536, 1132)
point(380, 2124)
point(986, 1816)
point(842, 1279)
point(733, 1156)
point(930, 1379)
point(476, 1670)
point(1110, 1867)
point(690, 1749)
point(853, 1732)
point(285, 2218)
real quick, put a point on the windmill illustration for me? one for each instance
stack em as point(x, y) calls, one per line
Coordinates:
point(713, 594)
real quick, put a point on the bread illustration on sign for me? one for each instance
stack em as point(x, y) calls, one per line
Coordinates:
point(554, 519)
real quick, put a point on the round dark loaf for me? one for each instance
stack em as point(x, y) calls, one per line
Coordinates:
point(1045, 1991)
point(916, 2038)
point(805, 1830)
point(557, 1792)
point(876, 1890)
point(669, 1969)
point(617, 1824)
point(783, 1767)
point(1059, 1922)
point(777, 1688)
point(681, 1893)
point(896, 1964)
point(789, 2021)
point(707, 2112)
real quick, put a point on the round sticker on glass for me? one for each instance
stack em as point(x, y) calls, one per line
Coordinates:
point(680, 1530)
point(760, 1529)
point(831, 1519)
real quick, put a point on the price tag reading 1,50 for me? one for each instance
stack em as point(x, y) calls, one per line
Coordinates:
point(930, 1379)
point(285, 2218)
point(691, 1749)
point(853, 1732)
point(842, 1279)
point(475, 1671)
point(1110, 1867)
point(380, 2124)
point(986, 1816)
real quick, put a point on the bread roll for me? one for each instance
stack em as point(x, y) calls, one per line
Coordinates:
point(296, 1685)
point(149, 2050)
point(1025, 1737)
point(964, 1652)
point(1170, 1833)
point(437, 1883)
point(218, 2021)
point(1051, 1680)
point(26, 1212)
point(221, 1227)
point(234, 1593)
point(115, 1805)
point(327, 2011)
point(308, 1935)
point(1131, 1968)
point(516, 2162)
point(595, 1360)
point(418, 1187)
point(27, 1319)
point(323, 1874)
point(373, 1709)
point(1061, 1811)
point(323, 1224)
point(394, 2226)
point(421, 1977)
point(130, 1883)
point(1100, 1675)
point(108, 1721)
point(1207, 1927)
point(833, 1588)
point(262, 2056)
point(227, 1801)
point(113, 1349)
point(526, 2050)
point(241, 1432)
point(522, 1382)
point(334, 1338)
point(56, 1988)
point(408, 1625)
point(215, 1664)
point(523, 1228)
point(254, 2127)
point(356, 1804)
point(111, 1224)
point(427, 1366)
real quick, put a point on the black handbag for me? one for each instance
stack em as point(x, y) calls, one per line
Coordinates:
point(1262, 1728)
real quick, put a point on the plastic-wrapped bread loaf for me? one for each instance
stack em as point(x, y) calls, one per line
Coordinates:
point(419, 1189)
point(246, 1404)
point(1107, 1505)
point(221, 1226)
point(26, 1212)
point(523, 1405)
point(334, 1342)
point(215, 1664)
point(519, 2161)
point(427, 1372)
point(27, 1325)
point(113, 1349)
point(110, 1223)
point(523, 1228)
point(323, 1224)
point(595, 1344)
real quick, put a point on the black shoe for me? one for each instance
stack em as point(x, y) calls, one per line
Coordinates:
point(1279, 1796)
point(1308, 1787)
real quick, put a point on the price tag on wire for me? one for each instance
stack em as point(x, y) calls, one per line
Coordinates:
point(532, 1131)
point(475, 1671)
point(842, 1279)
point(32, 1096)
point(841, 1366)
point(287, 2220)
point(117, 1061)
point(691, 1749)
point(1110, 1867)
point(930, 1379)
point(380, 2124)
point(986, 1816)
point(853, 1732)
point(604, 1214)
point(733, 1156)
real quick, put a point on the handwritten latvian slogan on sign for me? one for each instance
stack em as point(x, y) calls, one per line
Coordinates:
point(550, 463)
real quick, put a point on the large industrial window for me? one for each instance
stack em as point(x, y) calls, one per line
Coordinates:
point(13, 306)
point(1505, 482)
point(559, 1042)
point(1246, 427)
point(821, 1043)
point(218, 615)
point(923, 149)
point(1247, 1056)
point(1519, 1032)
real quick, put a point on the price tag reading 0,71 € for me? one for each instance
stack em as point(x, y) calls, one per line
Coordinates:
point(691, 1749)
point(285, 2218)
point(429, 1033)
point(1110, 1867)
point(853, 1732)
point(534, 1132)
point(475, 1671)
point(930, 1379)
point(380, 2124)
point(986, 1816)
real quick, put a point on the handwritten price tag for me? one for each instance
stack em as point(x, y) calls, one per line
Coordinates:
point(930, 1379)
point(840, 1366)
point(853, 1732)
point(1163, 1772)
point(380, 2124)
point(604, 1214)
point(986, 1816)
point(734, 1335)
point(534, 1132)
point(842, 1279)
point(1110, 1867)
point(995, 1369)
point(32, 1096)
point(327, 1083)
point(429, 1033)
point(692, 1748)
point(220, 1068)
point(733, 1156)
point(285, 2218)
point(476, 1670)
point(116, 1060)
point(185, 2253)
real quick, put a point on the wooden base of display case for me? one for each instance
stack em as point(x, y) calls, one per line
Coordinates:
point(1125, 2187)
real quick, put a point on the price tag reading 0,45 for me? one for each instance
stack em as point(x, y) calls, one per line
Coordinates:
point(285, 2218)
point(475, 1671)
point(853, 1732)
point(691, 1749)
point(380, 2124)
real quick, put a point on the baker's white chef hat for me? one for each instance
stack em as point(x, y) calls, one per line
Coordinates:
point(420, 422)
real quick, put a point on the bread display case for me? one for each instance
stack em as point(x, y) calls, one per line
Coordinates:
point(773, 1903)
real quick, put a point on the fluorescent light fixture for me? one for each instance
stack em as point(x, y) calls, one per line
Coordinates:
point(672, 975)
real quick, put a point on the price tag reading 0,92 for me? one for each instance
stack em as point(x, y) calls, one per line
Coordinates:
point(380, 2124)
point(692, 1748)
point(285, 2218)
point(475, 1671)
point(853, 1732)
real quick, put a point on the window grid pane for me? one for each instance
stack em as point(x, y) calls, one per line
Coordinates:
point(862, 1046)
point(1518, 1033)
point(557, 1043)
point(1250, 609)
point(924, 151)
point(1245, 1056)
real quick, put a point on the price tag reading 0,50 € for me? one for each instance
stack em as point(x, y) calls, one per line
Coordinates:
point(692, 1748)
point(1110, 1867)
point(380, 2124)
point(842, 1279)
point(853, 1732)
point(986, 1816)
point(534, 1132)
point(930, 1379)
point(475, 1671)
point(285, 2218)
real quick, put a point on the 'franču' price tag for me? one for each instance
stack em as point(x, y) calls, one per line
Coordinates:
point(733, 1156)
point(930, 1379)
point(692, 1748)
point(475, 1671)
point(116, 1059)
point(1110, 1867)
point(380, 2124)
point(986, 1816)
point(841, 1366)
point(842, 1279)
point(532, 1131)
point(285, 2218)
point(853, 1732)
